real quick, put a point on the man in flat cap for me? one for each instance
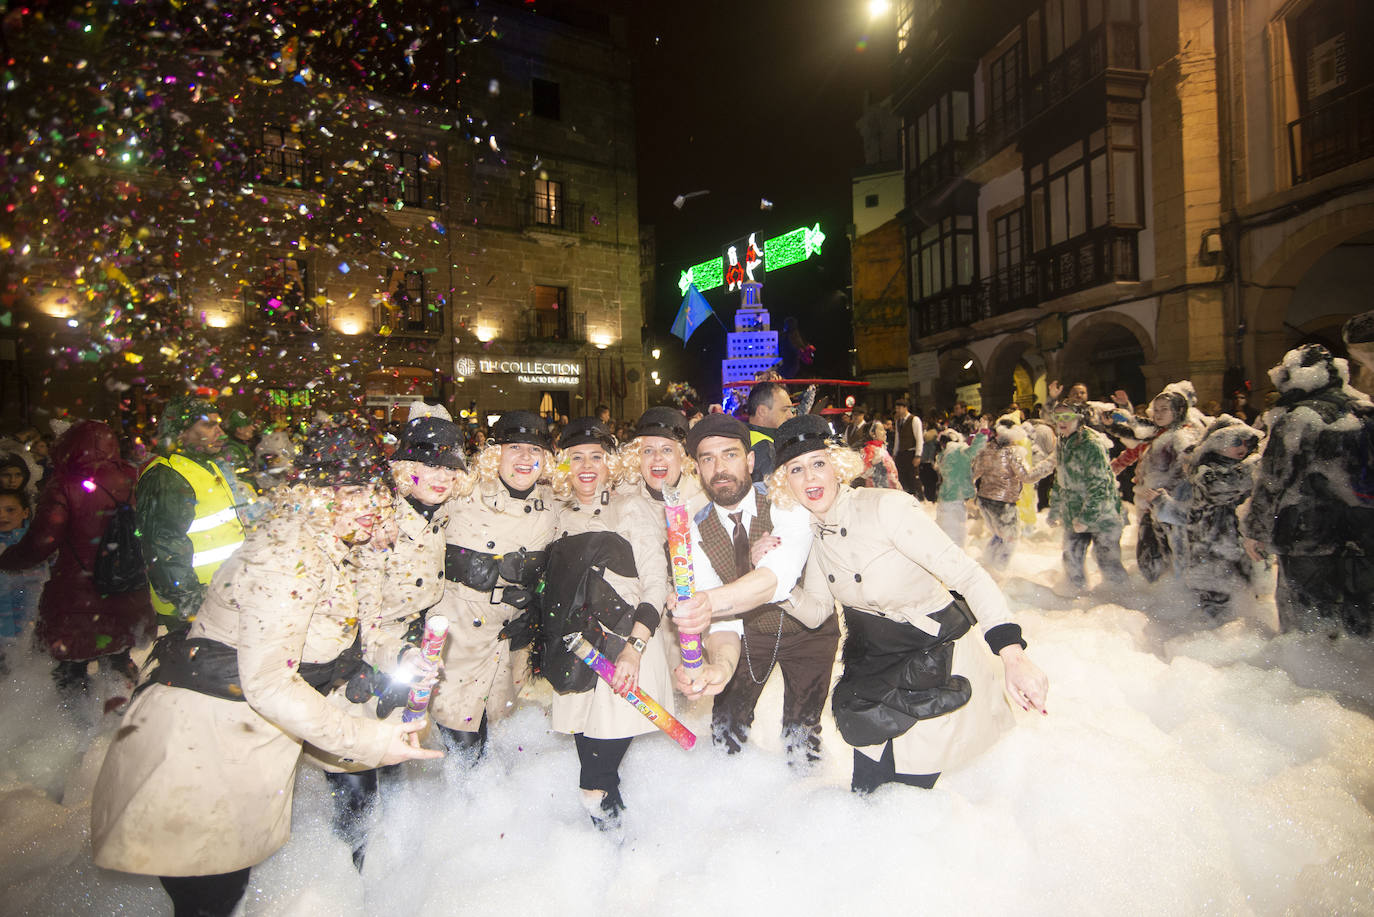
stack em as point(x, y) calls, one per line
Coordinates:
point(751, 560)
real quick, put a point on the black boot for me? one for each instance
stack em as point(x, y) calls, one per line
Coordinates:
point(353, 796)
point(605, 815)
point(470, 746)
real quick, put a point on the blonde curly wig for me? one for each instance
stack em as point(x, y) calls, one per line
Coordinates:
point(848, 466)
point(404, 473)
point(632, 451)
point(488, 465)
point(562, 474)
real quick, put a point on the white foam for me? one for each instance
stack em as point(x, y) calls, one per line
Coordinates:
point(1184, 768)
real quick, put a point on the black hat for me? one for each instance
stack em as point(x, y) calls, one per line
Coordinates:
point(430, 441)
point(716, 425)
point(800, 435)
point(521, 427)
point(340, 457)
point(583, 430)
point(662, 421)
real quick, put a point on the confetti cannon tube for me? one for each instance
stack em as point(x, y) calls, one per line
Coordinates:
point(650, 708)
point(431, 647)
point(680, 556)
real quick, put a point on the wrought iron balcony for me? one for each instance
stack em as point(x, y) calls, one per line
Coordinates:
point(1333, 137)
point(1105, 255)
point(541, 213)
point(555, 325)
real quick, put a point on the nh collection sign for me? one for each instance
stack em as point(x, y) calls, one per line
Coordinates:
point(528, 371)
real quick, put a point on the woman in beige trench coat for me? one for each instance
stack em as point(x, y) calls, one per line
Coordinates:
point(622, 544)
point(919, 693)
point(196, 787)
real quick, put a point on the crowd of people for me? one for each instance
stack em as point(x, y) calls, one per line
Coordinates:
point(284, 583)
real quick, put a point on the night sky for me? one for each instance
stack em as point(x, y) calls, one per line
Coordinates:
point(749, 101)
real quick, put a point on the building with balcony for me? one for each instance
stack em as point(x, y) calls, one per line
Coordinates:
point(1297, 148)
point(469, 235)
point(1127, 193)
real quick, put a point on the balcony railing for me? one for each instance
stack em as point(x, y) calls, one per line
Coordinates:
point(537, 213)
point(1106, 255)
point(555, 325)
point(945, 165)
point(284, 166)
point(1333, 136)
point(1114, 45)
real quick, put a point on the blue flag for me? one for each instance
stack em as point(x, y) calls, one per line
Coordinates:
point(694, 311)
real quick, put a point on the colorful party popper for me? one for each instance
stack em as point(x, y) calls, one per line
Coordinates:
point(650, 708)
point(431, 647)
point(680, 556)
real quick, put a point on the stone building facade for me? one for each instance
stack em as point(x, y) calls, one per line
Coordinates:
point(476, 246)
point(1075, 211)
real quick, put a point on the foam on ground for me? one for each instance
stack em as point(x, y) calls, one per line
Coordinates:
point(1184, 768)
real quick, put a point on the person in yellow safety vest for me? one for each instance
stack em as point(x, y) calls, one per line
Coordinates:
point(768, 407)
point(187, 524)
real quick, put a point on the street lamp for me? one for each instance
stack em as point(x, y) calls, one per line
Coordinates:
point(878, 8)
point(656, 352)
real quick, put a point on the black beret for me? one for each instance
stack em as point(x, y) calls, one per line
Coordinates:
point(583, 430)
point(662, 421)
point(800, 435)
point(716, 425)
point(521, 427)
point(431, 441)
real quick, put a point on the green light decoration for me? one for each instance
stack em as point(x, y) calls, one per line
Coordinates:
point(707, 276)
point(778, 252)
point(793, 247)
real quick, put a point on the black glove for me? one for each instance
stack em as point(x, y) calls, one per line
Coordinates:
point(520, 631)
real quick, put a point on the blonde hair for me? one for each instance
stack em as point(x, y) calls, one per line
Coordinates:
point(405, 471)
point(633, 451)
point(848, 466)
point(488, 464)
point(562, 473)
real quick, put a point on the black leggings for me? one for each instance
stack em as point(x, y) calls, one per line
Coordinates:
point(600, 763)
point(870, 774)
point(205, 896)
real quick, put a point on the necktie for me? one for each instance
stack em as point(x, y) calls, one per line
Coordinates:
point(740, 537)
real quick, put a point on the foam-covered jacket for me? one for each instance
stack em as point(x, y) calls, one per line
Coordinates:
point(1306, 499)
point(1085, 489)
point(1217, 487)
point(955, 465)
point(1002, 469)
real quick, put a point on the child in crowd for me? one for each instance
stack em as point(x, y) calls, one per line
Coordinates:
point(954, 462)
point(1222, 478)
point(19, 592)
point(999, 474)
point(1085, 498)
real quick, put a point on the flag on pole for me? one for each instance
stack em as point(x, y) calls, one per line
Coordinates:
point(693, 312)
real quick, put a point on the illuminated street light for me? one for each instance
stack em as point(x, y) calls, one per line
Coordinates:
point(656, 352)
point(877, 8)
point(968, 365)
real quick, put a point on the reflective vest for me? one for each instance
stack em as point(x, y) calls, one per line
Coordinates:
point(216, 532)
point(756, 437)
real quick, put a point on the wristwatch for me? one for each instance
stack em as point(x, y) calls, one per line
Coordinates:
point(637, 643)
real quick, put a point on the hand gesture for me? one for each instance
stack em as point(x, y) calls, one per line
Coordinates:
point(405, 745)
point(705, 681)
point(1026, 684)
point(1120, 397)
point(626, 677)
point(761, 547)
point(1254, 549)
point(693, 616)
point(1055, 389)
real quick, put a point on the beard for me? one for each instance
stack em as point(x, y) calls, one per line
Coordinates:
point(727, 490)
